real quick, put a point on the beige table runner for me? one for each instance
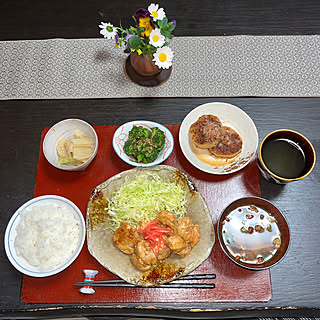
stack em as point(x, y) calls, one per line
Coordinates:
point(281, 66)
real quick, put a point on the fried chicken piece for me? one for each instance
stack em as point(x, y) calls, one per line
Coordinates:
point(188, 231)
point(142, 224)
point(145, 252)
point(125, 238)
point(184, 252)
point(164, 253)
point(176, 243)
point(138, 263)
point(167, 219)
point(195, 235)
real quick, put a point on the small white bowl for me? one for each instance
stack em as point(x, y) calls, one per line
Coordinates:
point(18, 261)
point(121, 136)
point(66, 129)
point(230, 116)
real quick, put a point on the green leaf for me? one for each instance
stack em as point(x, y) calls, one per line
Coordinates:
point(140, 30)
point(171, 27)
point(132, 30)
point(134, 42)
point(167, 34)
point(127, 50)
point(165, 28)
point(162, 22)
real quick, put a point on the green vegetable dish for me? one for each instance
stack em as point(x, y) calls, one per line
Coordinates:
point(144, 145)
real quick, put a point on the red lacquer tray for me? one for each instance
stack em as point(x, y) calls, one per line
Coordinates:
point(233, 283)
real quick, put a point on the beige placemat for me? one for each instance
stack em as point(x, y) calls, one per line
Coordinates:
point(282, 66)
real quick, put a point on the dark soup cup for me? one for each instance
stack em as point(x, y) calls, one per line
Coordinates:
point(285, 156)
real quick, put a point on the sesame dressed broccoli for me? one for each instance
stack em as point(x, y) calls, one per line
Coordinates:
point(144, 145)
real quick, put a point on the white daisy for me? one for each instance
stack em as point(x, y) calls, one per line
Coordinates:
point(163, 57)
point(156, 13)
point(108, 30)
point(156, 38)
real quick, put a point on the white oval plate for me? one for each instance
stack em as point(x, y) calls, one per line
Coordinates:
point(230, 116)
point(19, 262)
point(121, 136)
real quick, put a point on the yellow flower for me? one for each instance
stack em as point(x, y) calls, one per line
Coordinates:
point(139, 52)
point(145, 23)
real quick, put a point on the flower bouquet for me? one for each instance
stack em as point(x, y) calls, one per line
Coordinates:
point(147, 41)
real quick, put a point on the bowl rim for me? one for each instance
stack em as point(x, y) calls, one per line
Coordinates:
point(70, 168)
point(248, 266)
point(144, 165)
point(273, 174)
point(16, 215)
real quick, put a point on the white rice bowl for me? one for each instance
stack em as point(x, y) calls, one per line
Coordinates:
point(45, 236)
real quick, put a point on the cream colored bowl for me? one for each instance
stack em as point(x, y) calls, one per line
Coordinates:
point(66, 129)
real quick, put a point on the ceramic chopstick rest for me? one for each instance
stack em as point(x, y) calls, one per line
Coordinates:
point(89, 276)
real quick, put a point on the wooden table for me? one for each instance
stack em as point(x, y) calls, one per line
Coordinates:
point(295, 281)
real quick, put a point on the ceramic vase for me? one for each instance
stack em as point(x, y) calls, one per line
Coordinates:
point(143, 71)
point(143, 65)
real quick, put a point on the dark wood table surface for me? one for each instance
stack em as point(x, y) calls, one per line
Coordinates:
point(295, 281)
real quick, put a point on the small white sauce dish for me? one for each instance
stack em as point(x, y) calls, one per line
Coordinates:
point(121, 136)
point(66, 129)
point(28, 212)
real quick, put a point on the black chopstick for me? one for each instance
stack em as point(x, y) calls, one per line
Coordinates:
point(173, 284)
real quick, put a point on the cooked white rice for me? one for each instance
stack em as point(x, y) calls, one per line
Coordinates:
point(47, 235)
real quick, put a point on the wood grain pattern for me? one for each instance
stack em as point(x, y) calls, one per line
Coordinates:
point(51, 19)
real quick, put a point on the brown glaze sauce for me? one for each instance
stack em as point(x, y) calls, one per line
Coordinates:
point(162, 272)
point(97, 208)
point(205, 156)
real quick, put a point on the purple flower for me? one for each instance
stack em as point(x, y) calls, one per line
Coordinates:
point(143, 13)
point(174, 23)
point(116, 38)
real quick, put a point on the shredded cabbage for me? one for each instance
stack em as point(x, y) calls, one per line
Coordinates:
point(145, 197)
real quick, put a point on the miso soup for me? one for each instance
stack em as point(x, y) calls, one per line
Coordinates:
point(251, 235)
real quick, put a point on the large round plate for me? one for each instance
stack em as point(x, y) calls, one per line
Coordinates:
point(230, 116)
point(99, 237)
